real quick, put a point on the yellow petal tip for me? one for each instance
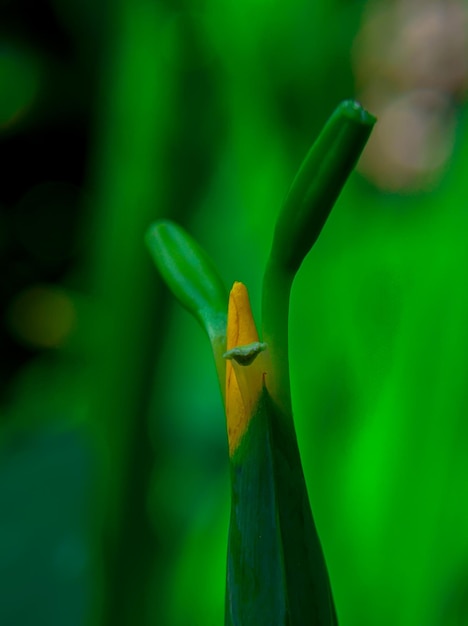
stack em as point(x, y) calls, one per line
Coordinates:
point(243, 383)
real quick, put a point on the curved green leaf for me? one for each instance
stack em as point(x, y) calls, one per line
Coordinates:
point(189, 273)
point(318, 183)
point(311, 197)
point(194, 280)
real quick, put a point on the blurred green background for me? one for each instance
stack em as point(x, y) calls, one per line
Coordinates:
point(114, 485)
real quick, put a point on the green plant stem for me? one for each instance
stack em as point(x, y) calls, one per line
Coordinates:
point(275, 318)
point(308, 204)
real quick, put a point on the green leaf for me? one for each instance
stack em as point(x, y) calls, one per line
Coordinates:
point(256, 591)
point(276, 572)
point(194, 280)
point(318, 183)
point(308, 204)
point(189, 273)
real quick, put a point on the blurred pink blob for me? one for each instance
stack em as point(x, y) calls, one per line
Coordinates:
point(411, 70)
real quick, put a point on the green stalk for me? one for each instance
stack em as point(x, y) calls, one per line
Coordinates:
point(308, 204)
point(306, 577)
point(276, 573)
point(256, 591)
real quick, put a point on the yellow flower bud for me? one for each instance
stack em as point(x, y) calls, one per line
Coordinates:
point(243, 381)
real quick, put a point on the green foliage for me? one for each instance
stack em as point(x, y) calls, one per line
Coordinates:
point(311, 197)
point(202, 115)
point(318, 184)
point(276, 572)
point(190, 274)
point(193, 279)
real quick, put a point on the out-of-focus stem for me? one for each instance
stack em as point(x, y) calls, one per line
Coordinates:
point(128, 170)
